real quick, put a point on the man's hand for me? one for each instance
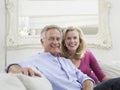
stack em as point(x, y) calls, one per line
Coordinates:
point(26, 71)
point(88, 85)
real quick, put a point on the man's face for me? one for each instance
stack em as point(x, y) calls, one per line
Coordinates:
point(52, 41)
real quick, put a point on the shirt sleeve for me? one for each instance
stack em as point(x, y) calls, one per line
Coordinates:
point(23, 63)
point(83, 77)
point(79, 75)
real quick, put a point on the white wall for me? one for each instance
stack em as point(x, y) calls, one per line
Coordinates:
point(2, 35)
point(101, 54)
point(112, 54)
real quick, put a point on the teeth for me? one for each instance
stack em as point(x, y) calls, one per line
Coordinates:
point(72, 44)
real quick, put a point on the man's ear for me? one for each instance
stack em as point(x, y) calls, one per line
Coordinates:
point(41, 40)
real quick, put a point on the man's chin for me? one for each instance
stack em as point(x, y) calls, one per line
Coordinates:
point(55, 53)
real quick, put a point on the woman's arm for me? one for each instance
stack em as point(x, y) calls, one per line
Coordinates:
point(97, 69)
point(106, 78)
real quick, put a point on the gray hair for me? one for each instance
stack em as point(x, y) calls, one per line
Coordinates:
point(47, 28)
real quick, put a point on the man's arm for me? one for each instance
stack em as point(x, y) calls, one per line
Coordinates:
point(15, 68)
point(88, 85)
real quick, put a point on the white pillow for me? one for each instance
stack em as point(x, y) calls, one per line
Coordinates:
point(10, 82)
point(23, 82)
point(35, 83)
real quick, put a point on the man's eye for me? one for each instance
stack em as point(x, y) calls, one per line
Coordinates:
point(51, 38)
point(58, 39)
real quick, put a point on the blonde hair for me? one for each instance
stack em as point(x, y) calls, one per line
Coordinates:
point(82, 46)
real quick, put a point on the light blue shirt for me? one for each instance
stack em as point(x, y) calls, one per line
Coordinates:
point(60, 71)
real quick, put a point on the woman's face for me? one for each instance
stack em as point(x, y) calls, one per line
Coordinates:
point(72, 40)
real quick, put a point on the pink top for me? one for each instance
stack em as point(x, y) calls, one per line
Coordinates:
point(90, 66)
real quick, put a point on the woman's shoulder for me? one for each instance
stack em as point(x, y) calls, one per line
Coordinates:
point(88, 51)
point(89, 54)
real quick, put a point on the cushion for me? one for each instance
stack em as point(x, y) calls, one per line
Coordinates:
point(35, 83)
point(10, 82)
point(23, 82)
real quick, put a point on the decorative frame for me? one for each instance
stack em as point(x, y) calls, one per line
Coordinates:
point(14, 41)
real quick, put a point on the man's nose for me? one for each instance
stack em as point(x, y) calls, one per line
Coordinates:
point(55, 41)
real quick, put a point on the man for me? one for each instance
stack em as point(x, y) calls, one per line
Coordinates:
point(62, 74)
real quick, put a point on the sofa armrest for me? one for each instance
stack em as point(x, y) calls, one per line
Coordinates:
point(111, 68)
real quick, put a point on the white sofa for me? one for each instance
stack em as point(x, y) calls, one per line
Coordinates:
point(22, 82)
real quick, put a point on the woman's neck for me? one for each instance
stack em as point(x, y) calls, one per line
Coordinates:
point(72, 53)
point(76, 62)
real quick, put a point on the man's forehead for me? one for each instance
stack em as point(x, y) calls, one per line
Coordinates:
point(53, 36)
point(53, 32)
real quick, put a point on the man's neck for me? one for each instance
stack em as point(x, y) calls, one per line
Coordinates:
point(54, 53)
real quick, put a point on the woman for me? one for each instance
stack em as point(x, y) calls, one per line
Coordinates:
point(74, 47)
